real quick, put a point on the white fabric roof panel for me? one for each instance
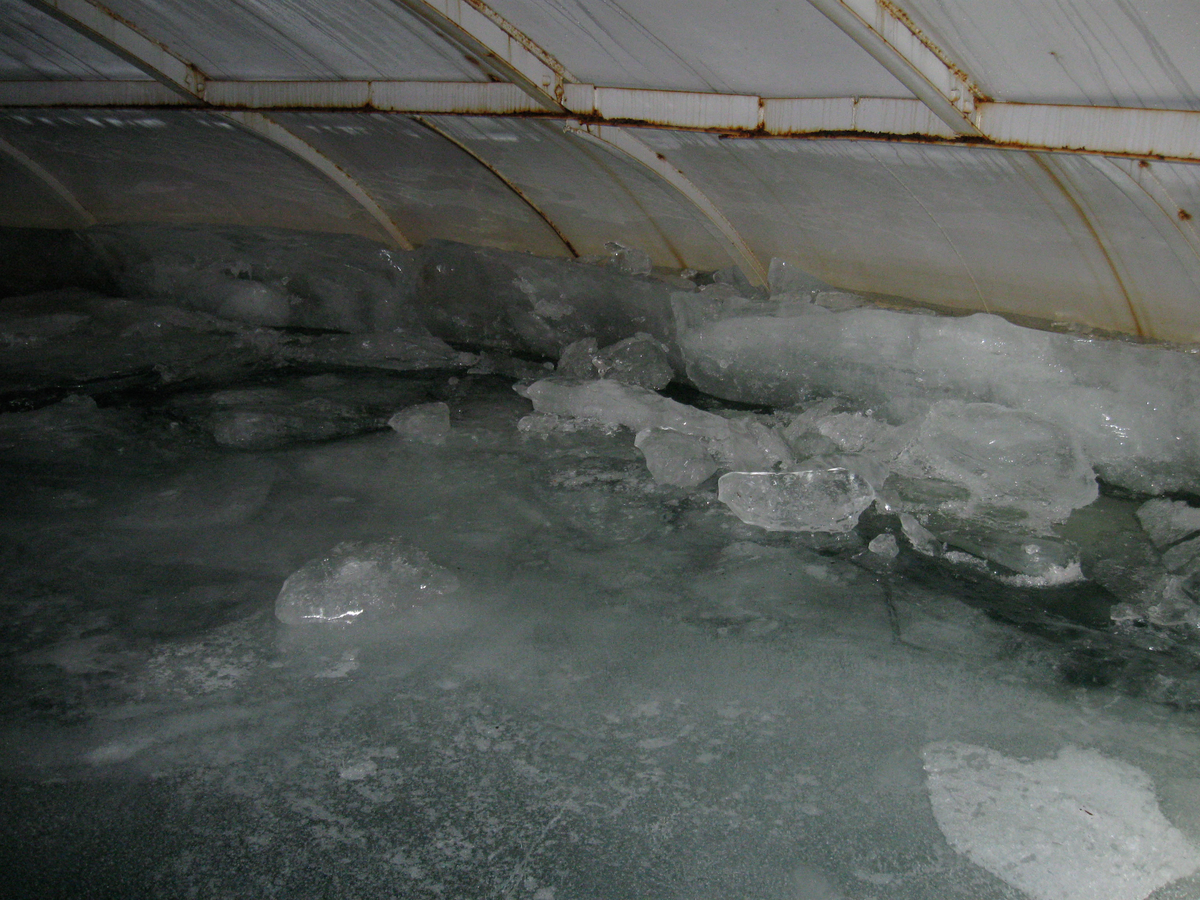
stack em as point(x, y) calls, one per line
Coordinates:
point(300, 39)
point(770, 49)
point(1102, 52)
point(35, 46)
point(592, 194)
point(431, 188)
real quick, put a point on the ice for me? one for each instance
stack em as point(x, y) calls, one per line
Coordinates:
point(361, 579)
point(826, 500)
point(734, 443)
point(381, 350)
point(1134, 410)
point(1009, 461)
point(535, 305)
point(629, 260)
point(1079, 826)
point(266, 276)
point(633, 692)
point(425, 423)
point(639, 360)
point(676, 459)
point(1168, 522)
point(884, 545)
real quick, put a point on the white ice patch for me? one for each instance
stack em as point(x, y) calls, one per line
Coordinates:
point(1080, 826)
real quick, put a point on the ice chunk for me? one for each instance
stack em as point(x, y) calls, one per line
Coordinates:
point(629, 260)
point(826, 500)
point(1168, 522)
point(578, 360)
point(267, 276)
point(1004, 458)
point(884, 545)
point(1038, 561)
point(1079, 826)
point(1135, 410)
point(735, 443)
point(921, 538)
point(677, 459)
point(426, 423)
point(638, 360)
point(357, 579)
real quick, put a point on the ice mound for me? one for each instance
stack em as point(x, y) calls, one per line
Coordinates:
point(357, 579)
point(1134, 410)
point(1080, 826)
point(268, 418)
point(425, 423)
point(1003, 458)
point(826, 500)
point(639, 360)
point(735, 443)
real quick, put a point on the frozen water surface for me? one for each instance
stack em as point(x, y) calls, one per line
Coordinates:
point(582, 682)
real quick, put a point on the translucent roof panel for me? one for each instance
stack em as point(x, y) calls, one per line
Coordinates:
point(301, 39)
point(35, 46)
point(763, 48)
point(1104, 52)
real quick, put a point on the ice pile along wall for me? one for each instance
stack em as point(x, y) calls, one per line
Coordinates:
point(1134, 410)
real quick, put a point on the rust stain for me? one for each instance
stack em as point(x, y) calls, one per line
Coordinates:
point(904, 19)
point(1184, 215)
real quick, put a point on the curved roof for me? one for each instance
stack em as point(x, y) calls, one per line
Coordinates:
point(1029, 158)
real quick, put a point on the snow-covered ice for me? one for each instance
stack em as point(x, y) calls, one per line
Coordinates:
point(1079, 826)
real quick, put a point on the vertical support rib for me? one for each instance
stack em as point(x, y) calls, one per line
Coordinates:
point(618, 139)
point(30, 165)
point(521, 195)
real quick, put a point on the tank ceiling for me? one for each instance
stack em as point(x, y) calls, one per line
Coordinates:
point(1031, 159)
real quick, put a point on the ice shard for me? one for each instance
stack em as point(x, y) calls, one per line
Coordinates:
point(824, 500)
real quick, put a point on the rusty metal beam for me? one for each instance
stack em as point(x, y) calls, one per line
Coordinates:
point(885, 31)
point(60, 190)
point(620, 140)
point(1108, 131)
point(106, 28)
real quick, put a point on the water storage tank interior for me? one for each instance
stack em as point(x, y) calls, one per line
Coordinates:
point(563, 449)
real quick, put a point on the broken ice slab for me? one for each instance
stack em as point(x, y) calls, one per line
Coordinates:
point(1004, 458)
point(824, 500)
point(735, 443)
point(1135, 410)
point(1037, 561)
point(681, 460)
point(1168, 522)
point(425, 423)
point(639, 360)
point(361, 579)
